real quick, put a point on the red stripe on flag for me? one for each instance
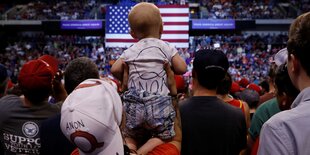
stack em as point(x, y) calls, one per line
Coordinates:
point(172, 6)
point(174, 14)
point(133, 40)
point(176, 23)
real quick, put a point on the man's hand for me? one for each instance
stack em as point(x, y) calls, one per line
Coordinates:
point(58, 90)
point(170, 79)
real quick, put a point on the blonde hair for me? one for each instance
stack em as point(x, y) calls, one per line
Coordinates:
point(145, 20)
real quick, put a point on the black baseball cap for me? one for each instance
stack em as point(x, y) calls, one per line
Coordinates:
point(207, 59)
point(210, 67)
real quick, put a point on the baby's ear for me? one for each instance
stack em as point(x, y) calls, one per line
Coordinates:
point(161, 29)
point(133, 34)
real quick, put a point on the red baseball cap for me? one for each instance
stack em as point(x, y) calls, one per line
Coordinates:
point(244, 82)
point(36, 75)
point(180, 83)
point(52, 61)
point(255, 87)
point(234, 87)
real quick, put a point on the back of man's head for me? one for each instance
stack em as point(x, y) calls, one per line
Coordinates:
point(210, 67)
point(35, 80)
point(79, 70)
point(225, 85)
point(251, 97)
point(299, 40)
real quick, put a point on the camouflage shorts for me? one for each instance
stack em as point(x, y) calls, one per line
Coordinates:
point(153, 113)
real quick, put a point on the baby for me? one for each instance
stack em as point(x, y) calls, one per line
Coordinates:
point(148, 108)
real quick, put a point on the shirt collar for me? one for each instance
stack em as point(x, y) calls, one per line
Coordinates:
point(303, 96)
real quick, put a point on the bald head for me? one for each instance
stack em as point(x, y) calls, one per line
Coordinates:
point(145, 21)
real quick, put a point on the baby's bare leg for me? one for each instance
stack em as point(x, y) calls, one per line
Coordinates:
point(149, 145)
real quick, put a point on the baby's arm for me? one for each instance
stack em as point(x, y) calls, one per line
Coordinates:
point(178, 64)
point(117, 69)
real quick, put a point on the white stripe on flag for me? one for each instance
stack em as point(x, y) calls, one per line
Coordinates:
point(163, 36)
point(174, 10)
point(175, 19)
point(173, 28)
point(173, 36)
point(180, 45)
point(118, 44)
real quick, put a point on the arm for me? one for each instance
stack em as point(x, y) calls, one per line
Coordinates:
point(248, 123)
point(58, 89)
point(177, 139)
point(253, 131)
point(273, 141)
point(124, 84)
point(173, 146)
point(124, 88)
point(257, 122)
point(170, 79)
point(247, 114)
point(117, 69)
point(178, 64)
point(243, 136)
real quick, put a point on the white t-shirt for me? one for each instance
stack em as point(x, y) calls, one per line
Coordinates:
point(145, 59)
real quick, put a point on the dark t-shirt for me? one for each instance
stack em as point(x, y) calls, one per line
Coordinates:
point(19, 125)
point(53, 141)
point(210, 126)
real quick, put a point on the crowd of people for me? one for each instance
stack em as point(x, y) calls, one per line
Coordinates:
point(239, 10)
point(249, 55)
point(64, 48)
point(62, 105)
point(208, 9)
point(259, 9)
point(54, 10)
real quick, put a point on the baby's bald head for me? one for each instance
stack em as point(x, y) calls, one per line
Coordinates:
point(145, 21)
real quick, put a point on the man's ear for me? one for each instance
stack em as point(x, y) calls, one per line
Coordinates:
point(161, 29)
point(295, 63)
point(133, 34)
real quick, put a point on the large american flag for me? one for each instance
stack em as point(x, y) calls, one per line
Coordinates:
point(175, 18)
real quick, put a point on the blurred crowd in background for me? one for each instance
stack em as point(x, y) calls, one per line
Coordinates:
point(205, 9)
point(249, 55)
